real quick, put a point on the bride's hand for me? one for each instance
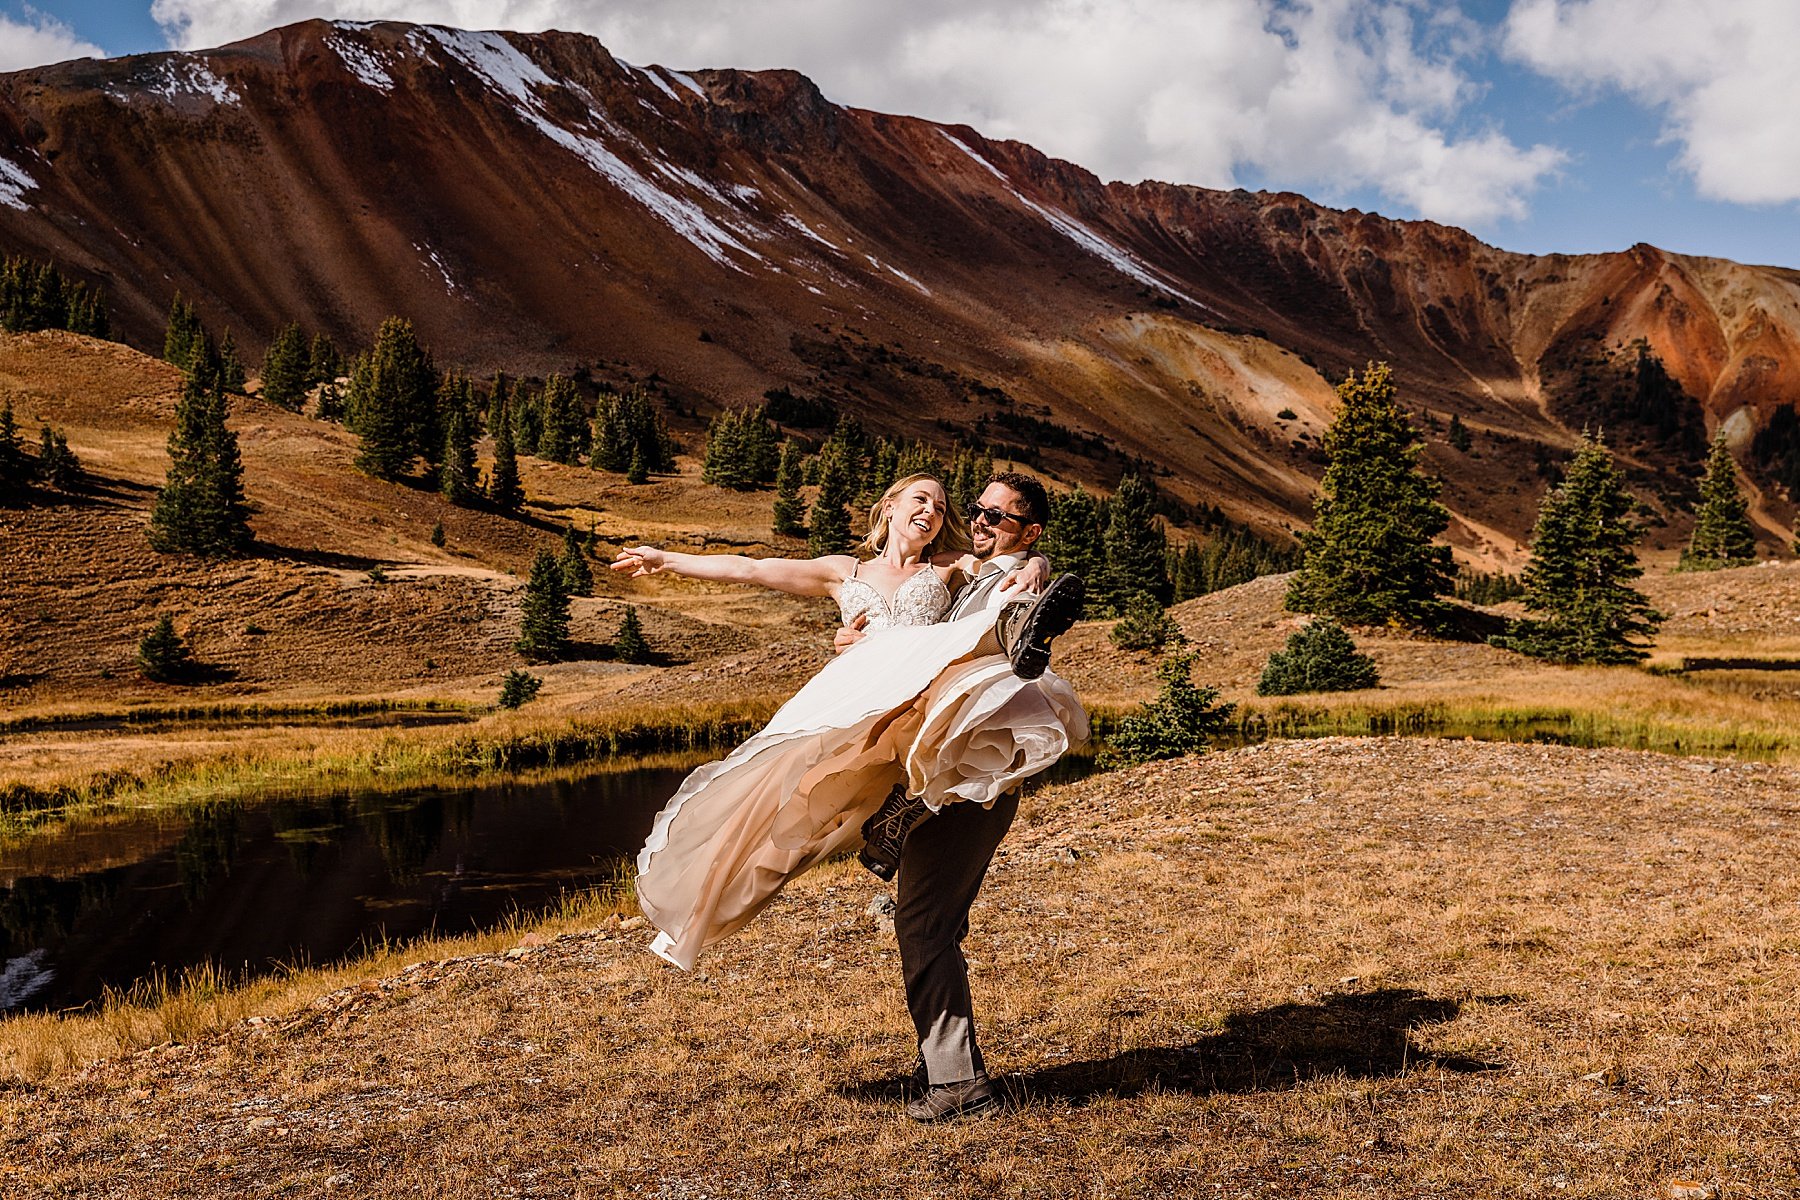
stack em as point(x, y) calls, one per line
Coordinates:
point(639, 560)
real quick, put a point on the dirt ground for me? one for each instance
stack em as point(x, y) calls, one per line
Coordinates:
point(1387, 968)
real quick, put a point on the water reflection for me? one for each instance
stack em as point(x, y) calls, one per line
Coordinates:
point(310, 877)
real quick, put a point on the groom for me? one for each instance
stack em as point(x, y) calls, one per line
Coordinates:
point(943, 860)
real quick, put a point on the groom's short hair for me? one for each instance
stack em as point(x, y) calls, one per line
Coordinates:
point(1037, 501)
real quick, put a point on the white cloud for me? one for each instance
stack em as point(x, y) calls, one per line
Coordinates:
point(1720, 72)
point(39, 39)
point(1338, 95)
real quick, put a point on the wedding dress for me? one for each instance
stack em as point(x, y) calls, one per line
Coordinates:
point(913, 701)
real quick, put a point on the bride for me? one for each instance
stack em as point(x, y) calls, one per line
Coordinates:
point(924, 705)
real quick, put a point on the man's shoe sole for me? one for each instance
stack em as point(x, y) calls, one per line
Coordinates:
point(1055, 611)
point(988, 1107)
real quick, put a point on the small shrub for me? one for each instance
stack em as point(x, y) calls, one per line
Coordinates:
point(1286, 414)
point(1179, 721)
point(254, 630)
point(519, 687)
point(1145, 625)
point(162, 654)
point(1318, 658)
point(437, 534)
point(377, 574)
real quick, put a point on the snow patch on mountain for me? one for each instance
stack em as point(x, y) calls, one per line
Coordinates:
point(14, 183)
point(362, 62)
point(514, 75)
point(1120, 260)
point(184, 75)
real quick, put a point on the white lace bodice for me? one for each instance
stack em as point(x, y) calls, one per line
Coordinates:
point(921, 599)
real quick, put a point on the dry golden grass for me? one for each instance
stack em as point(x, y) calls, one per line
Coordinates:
point(1342, 967)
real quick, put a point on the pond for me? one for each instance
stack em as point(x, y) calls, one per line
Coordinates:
point(303, 877)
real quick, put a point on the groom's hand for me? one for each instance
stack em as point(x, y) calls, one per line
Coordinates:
point(848, 635)
point(1030, 576)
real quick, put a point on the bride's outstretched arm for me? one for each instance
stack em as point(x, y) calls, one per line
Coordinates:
point(801, 576)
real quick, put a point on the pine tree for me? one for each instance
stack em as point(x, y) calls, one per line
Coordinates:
point(323, 362)
point(504, 491)
point(1179, 721)
point(457, 475)
point(284, 368)
point(331, 402)
point(1582, 565)
point(544, 617)
point(231, 367)
point(162, 654)
point(392, 403)
point(1075, 539)
point(1135, 548)
point(627, 425)
point(639, 470)
point(1370, 557)
point(578, 578)
point(829, 530)
point(790, 509)
point(1322, 657)
point(564, 427)
point(527, 410)
point(1723, 535)
point(1144, 625)
point(519, 687)
point(1458, 435)
point(629, 644)
point(201, 508)
point(57, 464)
point(182, 338)
point(15, 466)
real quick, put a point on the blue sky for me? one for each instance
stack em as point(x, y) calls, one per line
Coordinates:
point(1540, 125)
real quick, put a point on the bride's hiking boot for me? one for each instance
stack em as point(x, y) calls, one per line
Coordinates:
point(1027, 628)
point(884, 833)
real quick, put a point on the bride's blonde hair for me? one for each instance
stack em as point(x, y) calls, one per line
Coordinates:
point(953, 534)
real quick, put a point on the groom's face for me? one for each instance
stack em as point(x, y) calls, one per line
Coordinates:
point(1013, 535)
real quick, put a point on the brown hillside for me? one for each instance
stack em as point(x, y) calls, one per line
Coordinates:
point(534, 204)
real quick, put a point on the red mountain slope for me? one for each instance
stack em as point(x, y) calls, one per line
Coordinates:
point(535, 204)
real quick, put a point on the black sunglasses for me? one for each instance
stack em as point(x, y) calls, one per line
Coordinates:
point(992, 517)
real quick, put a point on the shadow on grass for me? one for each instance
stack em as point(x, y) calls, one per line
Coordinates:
point(1362, 1035)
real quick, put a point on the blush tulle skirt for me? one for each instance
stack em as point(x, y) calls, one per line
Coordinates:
point(919, 704)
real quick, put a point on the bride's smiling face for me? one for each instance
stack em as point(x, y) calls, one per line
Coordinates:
point(916, 514)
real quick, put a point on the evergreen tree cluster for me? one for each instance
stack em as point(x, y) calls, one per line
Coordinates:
point(1776, 449)
point(1232, 555)
point(1370, 557)
point(630, 435)
point(563, 433)
point(458, 478)
point(741, 450)
point(1319, 658)
point(292, 367)
point(1116, 544)
point(35, 295)
point(1578, 582)
point(1485, 588)
point(190, 346)
point(1723, 535)
point(55, 465)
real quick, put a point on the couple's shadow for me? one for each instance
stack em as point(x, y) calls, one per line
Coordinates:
point(1363, 1035)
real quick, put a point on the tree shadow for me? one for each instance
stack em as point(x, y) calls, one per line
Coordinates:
point(1362, 1035)
point(314, 557)
point(1463, 623)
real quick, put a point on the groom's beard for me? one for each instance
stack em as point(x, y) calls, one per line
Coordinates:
point(983, 539)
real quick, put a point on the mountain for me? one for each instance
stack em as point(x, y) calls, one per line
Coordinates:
point(534, 204)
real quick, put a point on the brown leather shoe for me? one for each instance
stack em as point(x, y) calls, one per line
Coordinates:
point(955, 1101)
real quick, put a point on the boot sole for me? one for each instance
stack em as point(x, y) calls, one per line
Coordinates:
point(1056, 610)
